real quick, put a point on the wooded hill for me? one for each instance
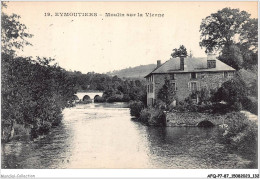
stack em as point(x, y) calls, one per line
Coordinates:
point(133, 72)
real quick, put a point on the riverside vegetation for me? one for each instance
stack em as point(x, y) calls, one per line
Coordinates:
point(35, 91)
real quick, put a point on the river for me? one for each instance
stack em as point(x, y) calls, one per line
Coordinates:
point(105, 136)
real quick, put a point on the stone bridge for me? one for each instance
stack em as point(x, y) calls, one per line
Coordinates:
point(193, 119)
point(88, 95)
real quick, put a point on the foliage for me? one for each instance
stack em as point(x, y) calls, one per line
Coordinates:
point(136, 108)
point(249, 77)
point(219, 29)
point(99, 99)
point(144, 116)
point(232, 56)
point(13, 33)
point(114, 98)
point(251, 105)
point(249, 34)
point(234, 34)
point(152, 116)
point(33, 92)
point(182, 51)
point(241, 132)
point(114, 89)
point(166, 94)
point(205, 95)
point(232, 91)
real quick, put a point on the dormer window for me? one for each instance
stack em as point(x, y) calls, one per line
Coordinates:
point(193, 75)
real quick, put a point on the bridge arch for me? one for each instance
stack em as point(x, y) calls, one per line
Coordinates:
point(86, 98)
point(205, 123)
point(96, 96)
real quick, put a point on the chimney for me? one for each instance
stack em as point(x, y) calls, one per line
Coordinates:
point(158, 63)
point(211, 60)
point(182, 62)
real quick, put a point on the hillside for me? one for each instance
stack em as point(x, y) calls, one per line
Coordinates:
point(135, 72)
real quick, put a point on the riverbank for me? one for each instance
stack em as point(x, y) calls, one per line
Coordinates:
point(187, 119)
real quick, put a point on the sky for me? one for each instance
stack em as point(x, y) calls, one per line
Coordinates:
point(102, 44)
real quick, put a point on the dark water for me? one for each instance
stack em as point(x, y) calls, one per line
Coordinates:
point(104, 136)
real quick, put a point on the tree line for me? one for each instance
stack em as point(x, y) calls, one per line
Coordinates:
point(114, 88)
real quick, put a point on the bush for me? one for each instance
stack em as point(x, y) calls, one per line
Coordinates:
point(231, 91)
point(125, 98)
point(114, 98)
point(237, 106)
point(99, 99)
point(45, 128)
point(136, 108)
point(144, 116)
point(152, 116)
point(157, 117)
point(242, 133)
point(250, 105)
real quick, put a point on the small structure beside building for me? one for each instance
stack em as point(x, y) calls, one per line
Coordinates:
point(187, 75)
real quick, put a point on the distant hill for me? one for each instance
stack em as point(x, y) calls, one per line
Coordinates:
point(134, 72)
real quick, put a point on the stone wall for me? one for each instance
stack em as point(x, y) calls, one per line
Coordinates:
point(192, 118)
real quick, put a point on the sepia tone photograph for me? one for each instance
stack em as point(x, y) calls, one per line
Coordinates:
point(129, 85)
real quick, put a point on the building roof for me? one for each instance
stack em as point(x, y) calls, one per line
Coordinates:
point(190, 65)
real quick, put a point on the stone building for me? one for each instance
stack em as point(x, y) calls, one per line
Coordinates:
point(187, 75)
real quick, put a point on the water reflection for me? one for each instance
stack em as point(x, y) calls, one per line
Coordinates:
point(104, 136)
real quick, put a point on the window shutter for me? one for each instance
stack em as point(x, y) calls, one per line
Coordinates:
point(189, 85)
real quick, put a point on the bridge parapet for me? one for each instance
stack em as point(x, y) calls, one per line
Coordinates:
point(91, 94)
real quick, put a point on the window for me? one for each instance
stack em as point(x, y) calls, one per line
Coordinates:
point(211, 63)
point(193, 75)
point(194, 86)
point(148, 89)
point(225, 74)
point(172, 76)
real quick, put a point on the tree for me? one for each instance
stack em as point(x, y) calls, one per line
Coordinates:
point(232, 56)
point(182, 51)
point(232, 91)
point(13, 32)
point(166, 94)
point(219, 29)
point(249, 35)
point(232, 33)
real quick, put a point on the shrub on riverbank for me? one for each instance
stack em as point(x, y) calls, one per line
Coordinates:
point(136, 108)
point(251, 105)
point(152, 116)
point(242, 133)
point(115, 98)
point(99, 99)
